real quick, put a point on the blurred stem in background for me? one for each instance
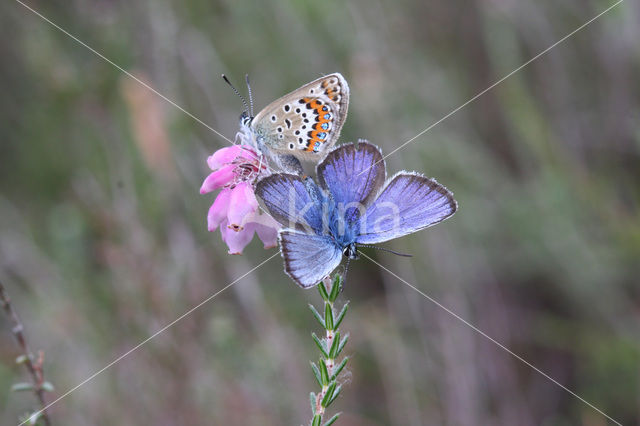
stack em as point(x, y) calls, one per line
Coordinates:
point(328, 369)
point(39, 386)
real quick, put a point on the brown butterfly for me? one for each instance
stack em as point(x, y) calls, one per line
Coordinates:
point(300, 126)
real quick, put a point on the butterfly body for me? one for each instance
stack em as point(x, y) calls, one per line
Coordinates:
point(352, 204)
point(302, 125)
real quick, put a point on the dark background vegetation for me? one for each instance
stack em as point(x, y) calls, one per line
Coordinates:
point(103, 234)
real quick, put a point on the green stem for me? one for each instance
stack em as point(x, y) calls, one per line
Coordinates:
point(329, 365)
point(32, 364)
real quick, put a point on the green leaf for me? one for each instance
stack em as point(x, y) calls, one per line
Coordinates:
point(328, 395)
point(328, 317)
point(341, 314)
point(323, 291)
point(21, 387)
point(320, 345)
point(333, 351)
point(324, 374)
point(316, 420)
point(316, 372)
point(338, 369)
point(335, 288)
point(335, 394)
point(317, 315)
point(312, 400)
point(332, 420)
point(344, 342)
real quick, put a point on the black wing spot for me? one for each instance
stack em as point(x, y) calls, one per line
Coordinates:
point(286, 107)
point(287, 122)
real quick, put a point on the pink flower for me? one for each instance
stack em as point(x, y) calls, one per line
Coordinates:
point(235, 210)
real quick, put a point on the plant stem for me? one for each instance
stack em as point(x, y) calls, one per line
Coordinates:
point(328, 368)
point(33, 366)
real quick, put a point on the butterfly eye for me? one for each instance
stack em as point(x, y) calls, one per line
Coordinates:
point(245, 119)
point(350, 252)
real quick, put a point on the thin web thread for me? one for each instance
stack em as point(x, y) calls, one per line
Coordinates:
point(265, 261)
point(58, 27)
point(581, 27)
point(491, 339)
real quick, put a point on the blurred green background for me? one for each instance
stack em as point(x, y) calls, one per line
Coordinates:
point(103, 234)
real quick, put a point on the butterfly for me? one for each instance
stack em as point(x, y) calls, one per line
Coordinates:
point(352, 204)
point(300, 126)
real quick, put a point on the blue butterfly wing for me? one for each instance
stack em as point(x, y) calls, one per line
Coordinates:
point(308, 258)
point(352, 174)
point(292, 201)
point(409, 202)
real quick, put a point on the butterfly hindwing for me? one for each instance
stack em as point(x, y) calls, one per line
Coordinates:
point(308, 258)
point(305, 123)
point(408, 203)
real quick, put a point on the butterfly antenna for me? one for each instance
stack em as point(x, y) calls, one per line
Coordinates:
point(244, 101)
point(387, 250)
point(246, 78)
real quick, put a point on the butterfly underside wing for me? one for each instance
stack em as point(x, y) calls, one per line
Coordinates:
point(304, 124)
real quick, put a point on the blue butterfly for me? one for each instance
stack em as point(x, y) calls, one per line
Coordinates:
point(352, 204)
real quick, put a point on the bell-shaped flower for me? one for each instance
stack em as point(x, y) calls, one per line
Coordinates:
point(235, 170)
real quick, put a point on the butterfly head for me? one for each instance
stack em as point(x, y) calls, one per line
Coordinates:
point(351, 251)
point(245, 119)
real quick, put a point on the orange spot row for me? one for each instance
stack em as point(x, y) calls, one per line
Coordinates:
point(315, 141)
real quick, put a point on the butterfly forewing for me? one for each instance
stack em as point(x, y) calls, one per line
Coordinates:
point(408, 203)
point(305, 123)
point(353, 174)
point(287, 198)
